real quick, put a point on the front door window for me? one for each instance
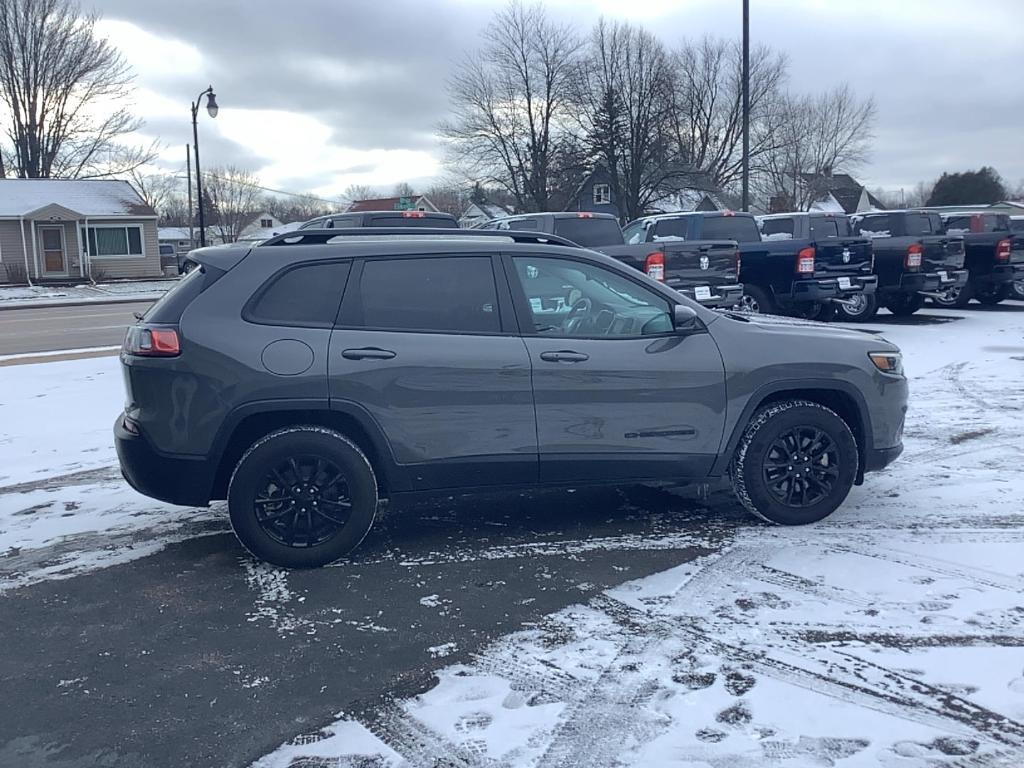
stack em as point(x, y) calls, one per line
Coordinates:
point(52, 245)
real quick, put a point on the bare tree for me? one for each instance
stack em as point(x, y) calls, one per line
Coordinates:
point(623, 93)
point(818, 136)
point(360, 192)
point(157, 189)
point(450, 198)
point(403, 189)
point(708, 107)
point(234, 197)
point(65, 91)
point(508, 103)
point(301, 207)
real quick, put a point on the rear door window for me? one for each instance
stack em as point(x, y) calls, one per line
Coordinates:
point(589, 232)
point(443, 294)
point(398, 220)
point(824, 227)
point(670, 229)
point(917, 224)
point(777, 229)
point(742, 229)
point(874, 226)
point(307, 296)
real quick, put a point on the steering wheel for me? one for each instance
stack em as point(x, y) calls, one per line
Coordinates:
point(579, 308)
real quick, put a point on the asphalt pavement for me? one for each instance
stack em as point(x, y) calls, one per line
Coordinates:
point(72, 327)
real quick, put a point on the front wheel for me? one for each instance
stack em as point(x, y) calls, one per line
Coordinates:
point(302, 497)
point(861, 308)
point(795, 464)
point(905, 304)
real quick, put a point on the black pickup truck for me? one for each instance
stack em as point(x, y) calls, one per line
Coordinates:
point(705, 271)
point(994, 257)
point(914, 258)
point(383, 219)
point(802, 277)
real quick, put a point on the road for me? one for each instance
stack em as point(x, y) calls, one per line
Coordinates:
point(55, 328)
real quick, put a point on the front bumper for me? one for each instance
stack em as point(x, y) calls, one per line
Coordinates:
point(720, 296)
point(879, 458)
point(175, 479)
point(831, 288)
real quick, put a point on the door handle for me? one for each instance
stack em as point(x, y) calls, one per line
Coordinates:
point(367, 353)
point(564, 356)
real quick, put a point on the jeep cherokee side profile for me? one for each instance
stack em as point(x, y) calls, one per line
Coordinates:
point(306, 378)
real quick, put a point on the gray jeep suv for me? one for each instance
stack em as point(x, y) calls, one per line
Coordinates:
point(305, 378)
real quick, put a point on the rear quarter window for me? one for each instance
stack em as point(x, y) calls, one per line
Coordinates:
point(307, 295)
point(170, 307)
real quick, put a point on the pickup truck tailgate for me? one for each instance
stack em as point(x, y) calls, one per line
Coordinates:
point(697, 262)
point(842, 256)
point(942, 253)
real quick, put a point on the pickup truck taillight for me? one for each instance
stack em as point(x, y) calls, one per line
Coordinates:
point(151, 342)
point(413, 215)
point(805, 261)
point(1003, 250)
point(655, 266)
point(914, 254)
point(739, 263)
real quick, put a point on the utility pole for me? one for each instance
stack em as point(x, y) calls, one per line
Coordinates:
point(746, 105)
point(188, 175)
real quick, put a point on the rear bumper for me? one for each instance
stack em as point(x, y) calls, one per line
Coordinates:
point(1006, 273)
point(174, 479)
point(722, 296)
point(930, 282)
point(830, 288)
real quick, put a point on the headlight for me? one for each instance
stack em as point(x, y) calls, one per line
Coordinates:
point(888, 362)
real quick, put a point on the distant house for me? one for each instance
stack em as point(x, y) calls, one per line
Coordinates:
point(410, 203)
point(690, 199)
point(829, 189)
point(595, 194)
point(64, 229)
point(262, 226)
point(482, 212)
point(178, 237)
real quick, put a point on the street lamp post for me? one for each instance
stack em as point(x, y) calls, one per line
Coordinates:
point(211, 108)
point(746, 105)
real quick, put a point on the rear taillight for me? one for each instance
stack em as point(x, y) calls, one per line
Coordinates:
point(739, 263)
point(805, 261)
point(414, 214)
point(913, 258)
point(655, 266)
point(151, 342)
point(1003, 250)
point(584, 215)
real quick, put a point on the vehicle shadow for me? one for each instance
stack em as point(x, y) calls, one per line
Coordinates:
point(917, 319)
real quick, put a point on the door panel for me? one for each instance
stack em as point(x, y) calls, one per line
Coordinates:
point(51, 242)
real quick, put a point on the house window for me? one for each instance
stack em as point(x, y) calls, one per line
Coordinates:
point(266, 223)
point(113, 241)
point(602, 194)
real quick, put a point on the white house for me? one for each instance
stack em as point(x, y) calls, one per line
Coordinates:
point(482, 212)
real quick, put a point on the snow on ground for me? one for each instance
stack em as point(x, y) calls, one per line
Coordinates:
point(19, 295)
point(890, 635)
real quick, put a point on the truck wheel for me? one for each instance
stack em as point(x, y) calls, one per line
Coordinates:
point(795, 464)
point(822, 311)
point(992, 296)
point(905, 304)
point(302, 497)
point(862, 308)
point(756, 300)
point(956, 297)
point(1018, 290)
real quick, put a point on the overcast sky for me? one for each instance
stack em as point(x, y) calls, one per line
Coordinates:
point(320, 94)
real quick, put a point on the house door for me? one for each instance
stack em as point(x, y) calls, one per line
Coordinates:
point(51, 243)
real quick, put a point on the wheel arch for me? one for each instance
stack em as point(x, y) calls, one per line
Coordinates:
point(840, 397)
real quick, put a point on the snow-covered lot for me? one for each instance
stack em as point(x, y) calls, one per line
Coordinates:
point(891, 634)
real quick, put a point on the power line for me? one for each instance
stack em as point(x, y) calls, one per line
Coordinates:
point(254, 185)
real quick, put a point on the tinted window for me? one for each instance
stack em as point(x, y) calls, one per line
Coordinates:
point(917, 224)
point(428, 294)
point(589, 232)
point(635, 233)
point(306, 296)
point(170, 307)
point(670, 228)
point(570, 298)
point(1017, 225)
point(873, 226)
point(520, 224)
point(958, 225)
point(340, 222)
point(777, 229)
point(166, 250)
point(828, 226)
point(398, 220)
point(742, 229)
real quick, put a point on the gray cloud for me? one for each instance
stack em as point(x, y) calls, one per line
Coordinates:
point(945, 79)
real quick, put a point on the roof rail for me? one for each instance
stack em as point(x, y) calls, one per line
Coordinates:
point(321, 236)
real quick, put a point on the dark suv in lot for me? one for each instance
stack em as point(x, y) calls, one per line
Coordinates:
point(305, 378)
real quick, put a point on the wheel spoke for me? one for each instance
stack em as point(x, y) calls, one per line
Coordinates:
point(311, 515)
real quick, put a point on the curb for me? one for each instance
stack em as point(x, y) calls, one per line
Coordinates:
point(30, 304)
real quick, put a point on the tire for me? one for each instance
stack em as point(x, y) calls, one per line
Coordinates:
point(867, 308)
point(757, 486)
point(324, 527)
point(1018, 290)
point(905, 304)
point(991, 297)
point(187, 267)
point(822, 311)
point(957, 298)
point(757, 300)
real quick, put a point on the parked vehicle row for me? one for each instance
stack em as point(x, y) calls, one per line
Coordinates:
point(326, 370)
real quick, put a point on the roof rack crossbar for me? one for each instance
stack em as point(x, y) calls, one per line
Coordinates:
point(321, 236)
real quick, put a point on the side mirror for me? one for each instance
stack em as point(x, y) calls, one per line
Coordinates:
point(686, 320)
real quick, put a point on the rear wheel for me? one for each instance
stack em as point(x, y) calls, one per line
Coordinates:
point(905, 304)
point(1018, 290)
point(822, 311)
point(795, 464)
point(862, 307)
point(955, 297)
point(302, 497)
point(992, 295)
point(756, 300)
